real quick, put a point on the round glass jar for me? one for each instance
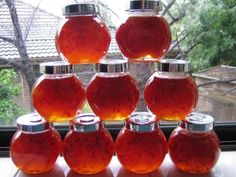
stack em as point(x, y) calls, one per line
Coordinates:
point(112, 93)
point(83, 38)
point(171, 93)
point(88, 146)
point(141, 146)
point(58, 95)
point(36, 145)
point(145, 35)
point(193, 146)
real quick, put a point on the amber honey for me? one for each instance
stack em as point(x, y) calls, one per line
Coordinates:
point(141, 150)
point(194, 152)
point(35, 153)
point(144, 38)
point(113, 96)
point(83, 39)
point(171, 98)
point(88, 149)
point(58, 97)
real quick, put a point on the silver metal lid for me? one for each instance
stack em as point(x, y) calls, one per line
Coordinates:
point(32, 123)
point(173, 65)
point(56, 67)
point(86, 123)
point(198, 122)
point(80, 9)
point(145, 5)
point(142, 122)
point(112, 66)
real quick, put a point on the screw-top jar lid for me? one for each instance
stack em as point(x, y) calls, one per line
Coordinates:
point(32, 123)
point(145, 5)
point(112, 66)
point(80, 9)
point(198, 122)
point(56, 67)
point(86, 123)
point(142, 122)
point(173, 65)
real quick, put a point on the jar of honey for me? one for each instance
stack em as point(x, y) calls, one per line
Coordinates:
point(141, 146)
point(36, 145)
point(88, 146)
point(193, 146)
point(145, 35)
point(58, 94)
point(83, 38)
point(112, 93)
point(171, 93)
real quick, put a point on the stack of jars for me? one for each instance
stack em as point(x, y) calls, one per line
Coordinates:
point(170, 94)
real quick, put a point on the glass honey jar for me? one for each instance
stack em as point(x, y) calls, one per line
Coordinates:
point(58, 95)
point(83, 38)
point(145, 35)
point(141, 146)
point(194, 147)
point(88, 146)
point(36, 145)
point(171, 93)
point(112, 93)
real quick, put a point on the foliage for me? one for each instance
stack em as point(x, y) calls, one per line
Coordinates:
point(8, 91)
point(210, 32)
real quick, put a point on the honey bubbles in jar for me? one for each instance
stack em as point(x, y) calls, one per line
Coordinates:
point(36, 145)
point(145, 35)
point(194, 146)
point(171, 93)
point(141, 145)
point(58, 95)
point(112, 93)
point(83, 37)
point(88, 146)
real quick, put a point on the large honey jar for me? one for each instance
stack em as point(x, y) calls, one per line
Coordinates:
point(58, 95)
point(145, 35)
point(193, 146)
point(112, 93)
point(171, 93)
point(83, 37)
point(36, 145)
point(141, 145)
point(88, 146)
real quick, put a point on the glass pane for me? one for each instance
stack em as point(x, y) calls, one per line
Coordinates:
point(40, 22)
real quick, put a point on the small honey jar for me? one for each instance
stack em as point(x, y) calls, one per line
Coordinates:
point(112, 93)
point(58, 95)
point(83, 38)
point(145, 35)
point(171, 93)
point(141, 145)
point(193, 146)
point(88, 146)
point(36, 145)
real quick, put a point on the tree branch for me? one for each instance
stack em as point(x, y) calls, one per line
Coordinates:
point(10, 40)
point(216, 82)
point(178, 41)
point(175, 19)
point(229, 91)
point(31, 21)
point(189, 50)
point(10, 62)
point(167, 7)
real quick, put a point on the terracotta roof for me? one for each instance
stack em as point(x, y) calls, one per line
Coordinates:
point(40, 39)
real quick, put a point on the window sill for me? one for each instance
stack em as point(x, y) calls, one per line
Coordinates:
point(224, 167)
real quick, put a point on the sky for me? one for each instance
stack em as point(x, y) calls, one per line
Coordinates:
point(55, 6)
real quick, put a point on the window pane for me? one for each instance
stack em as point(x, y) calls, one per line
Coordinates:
point(39, 26)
